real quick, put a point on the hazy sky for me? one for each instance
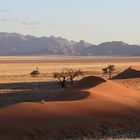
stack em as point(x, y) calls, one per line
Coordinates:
point(92, 20)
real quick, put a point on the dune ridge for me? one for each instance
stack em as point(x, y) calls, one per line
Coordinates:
point(131, 72)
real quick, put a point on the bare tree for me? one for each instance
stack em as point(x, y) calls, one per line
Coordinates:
point(108, 70)
point(35, 73)
point(62, 77)
point(73, 74)
point(65, 75)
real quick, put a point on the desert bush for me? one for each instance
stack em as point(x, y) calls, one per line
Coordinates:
point(35, 73)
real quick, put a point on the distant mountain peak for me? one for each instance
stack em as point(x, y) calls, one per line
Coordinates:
point(82, 42)
point(114, 43)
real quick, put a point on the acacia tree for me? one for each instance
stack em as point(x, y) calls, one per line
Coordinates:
point(108, 70)
point(62, 77)
point(73, 74)
point(65, 75)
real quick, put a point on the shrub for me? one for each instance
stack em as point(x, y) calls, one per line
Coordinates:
point(35, 73)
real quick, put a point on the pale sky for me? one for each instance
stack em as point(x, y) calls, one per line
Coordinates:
point(94, 21)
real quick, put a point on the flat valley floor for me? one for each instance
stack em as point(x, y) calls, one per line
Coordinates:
point(18, 69)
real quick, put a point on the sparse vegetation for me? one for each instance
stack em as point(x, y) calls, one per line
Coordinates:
point(36, 133)
point(62, 77)
point(73, 74)
point(108, 70)
point(66, 75)
point(35, 73)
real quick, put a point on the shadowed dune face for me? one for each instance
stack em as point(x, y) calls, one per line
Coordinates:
point(131, 72)
point(13, 98)
point(89, 82)
point(69, 95)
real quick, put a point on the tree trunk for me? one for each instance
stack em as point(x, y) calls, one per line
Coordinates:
point(71, 81)
point(63, 83)
point(109, 75)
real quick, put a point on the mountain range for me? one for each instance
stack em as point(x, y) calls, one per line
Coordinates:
point(14, 44)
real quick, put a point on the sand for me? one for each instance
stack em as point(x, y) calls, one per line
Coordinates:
point(131, 72)
point(106, 103)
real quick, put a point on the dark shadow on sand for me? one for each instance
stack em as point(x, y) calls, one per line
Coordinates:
point(12, 93)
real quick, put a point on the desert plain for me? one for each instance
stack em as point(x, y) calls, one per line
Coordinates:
point(36, 108)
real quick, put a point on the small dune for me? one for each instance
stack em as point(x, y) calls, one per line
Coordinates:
point(89, 82)
point(131, 72)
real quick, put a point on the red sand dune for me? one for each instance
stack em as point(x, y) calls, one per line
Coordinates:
point(106, 102)
point(89, 82)
point(131, 72)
